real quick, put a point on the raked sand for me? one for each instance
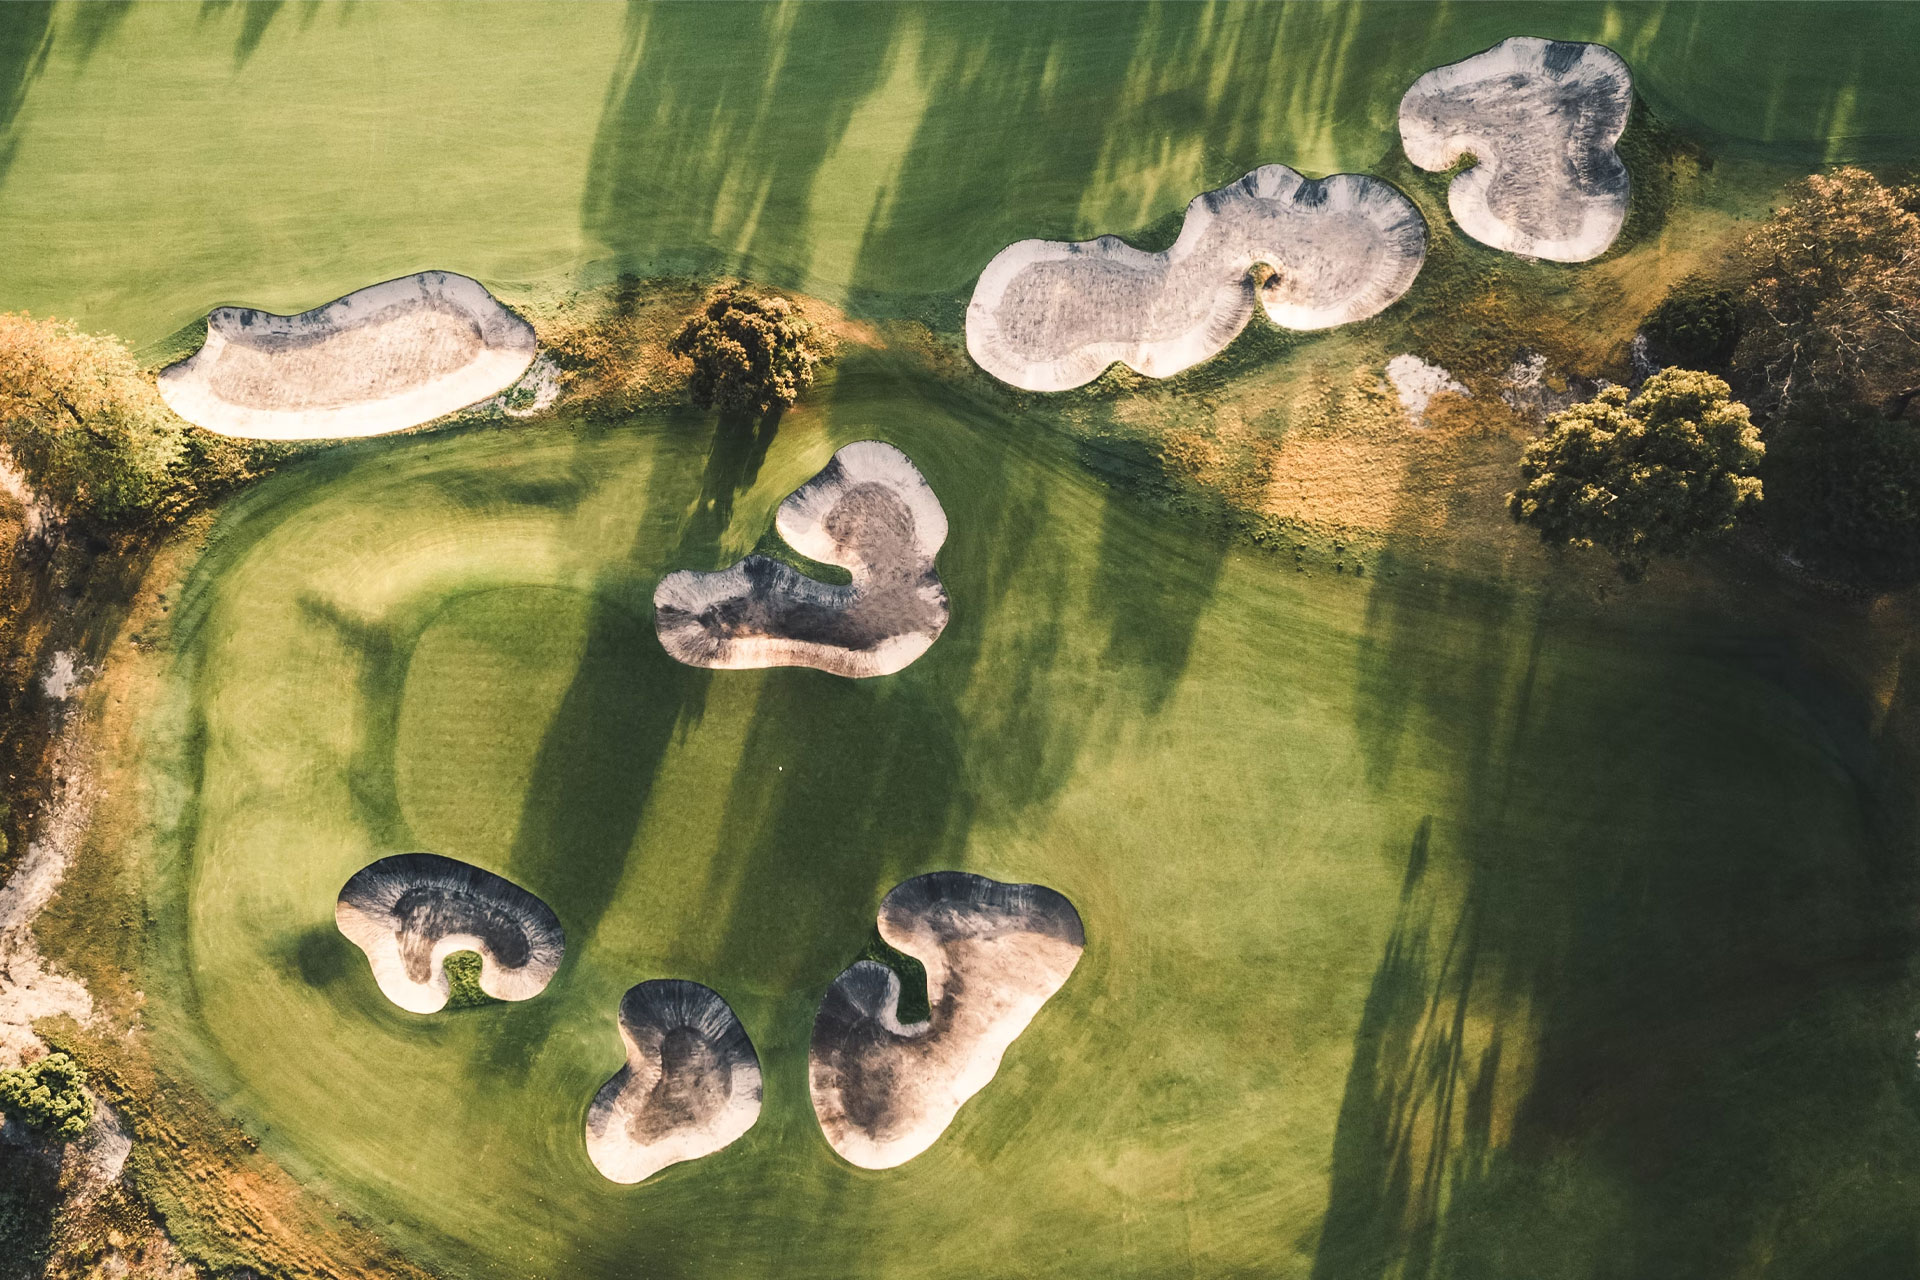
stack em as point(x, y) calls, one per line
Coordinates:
point(1540, 119)
point(381, 359)
point(871, 512)
point(409, 912)
point(994, 954)
point(1050, 315)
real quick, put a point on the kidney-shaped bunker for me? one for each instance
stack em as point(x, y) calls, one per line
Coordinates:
point(383, 358)
point(691, 1084)
point(1048, 315)
point(1540, 119)
point(994, 953)
point(872, 513)
point(411, 911)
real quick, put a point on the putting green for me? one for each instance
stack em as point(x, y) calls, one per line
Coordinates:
point(157, 160)
point(1432, 929)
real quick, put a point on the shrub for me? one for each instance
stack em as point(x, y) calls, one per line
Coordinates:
point(1695, 328)
point(1650, 477)
point(463, 981)
point(49, 1095)
point(750, 354)
point(1844, 498)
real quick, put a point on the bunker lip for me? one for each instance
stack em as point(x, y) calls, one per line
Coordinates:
point(691, 1084)
point(409, 912)
point(1541, 119)
point(994, 953)
point(384, 358)
point(869, 511)
point(1050, 315)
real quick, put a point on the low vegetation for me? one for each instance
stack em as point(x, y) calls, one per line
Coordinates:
point(463, 981)
point(750, 354)
point(49, 1096)
point(1642, 477)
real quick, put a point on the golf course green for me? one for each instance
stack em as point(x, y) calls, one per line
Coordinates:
point(1440, 922)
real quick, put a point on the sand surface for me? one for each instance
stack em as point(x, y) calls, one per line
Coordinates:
point(870, 512)
point(381, 359)
point(994, 953)
point(1049, 315)
point(411, 911)
point(691, 1084)
point(1540, 118)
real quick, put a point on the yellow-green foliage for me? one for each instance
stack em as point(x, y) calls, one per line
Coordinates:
point(750, 354)
point(49, 1095)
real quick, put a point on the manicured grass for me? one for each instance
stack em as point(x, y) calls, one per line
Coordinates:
point(160, 159)
point(1434, 928)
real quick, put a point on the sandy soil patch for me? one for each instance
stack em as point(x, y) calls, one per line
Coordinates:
point(690, 1087)
point(994, 953)
point(871, 512)
point(409, 912)
point(381, 359)
point(1416, 383)
point(1540, 119)
point(1049, 315)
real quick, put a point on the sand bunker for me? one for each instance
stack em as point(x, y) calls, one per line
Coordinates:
point(691, 1084)
point(994, 954)
point(870, 512)
point(1048, 315)
point(380, 359)
point(413, 910)
point(1540, 118)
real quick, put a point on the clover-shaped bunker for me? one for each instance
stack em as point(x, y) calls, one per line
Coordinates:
point(1540, 119)
point(381, 359)
point(409, 912)
point(871, 512)
point(994, 953)
point(1050, 315)
point(691, 1084)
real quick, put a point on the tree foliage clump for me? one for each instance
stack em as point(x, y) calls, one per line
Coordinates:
point(750, 354)
point(1832, 315)
point(1844, 498)
point(1646, 477)
point(92, 436)
point(1696, 327)
point(49, 1095)
point(463, 981)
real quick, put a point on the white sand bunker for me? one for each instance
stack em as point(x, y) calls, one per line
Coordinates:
point(1540, 118)
point(872, 513)
point(413, 910)
point(994, 954)
point(691, 1084)
point(380, 359)
point(1049, 315)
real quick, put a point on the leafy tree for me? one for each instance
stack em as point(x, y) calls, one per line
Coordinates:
point(1832, 313)
point(1642, 478)
point(750, 354)
point(92, 435)
point(1844, 497)
point(49, 1095)
point(1697, 327)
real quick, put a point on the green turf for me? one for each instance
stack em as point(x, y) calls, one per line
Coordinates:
point(162, 159)
point(1433, 929)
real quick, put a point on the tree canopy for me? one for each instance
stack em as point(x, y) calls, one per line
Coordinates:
point(750, 354)
point(1832, 309)
point(49, 1095)
point(1642, 477)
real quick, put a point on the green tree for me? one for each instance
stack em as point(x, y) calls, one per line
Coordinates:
point(750, 354)
point(49, 1095)
point(1832, 309)
point(1651, 476)
point(1696, 327)
point(1844, 498)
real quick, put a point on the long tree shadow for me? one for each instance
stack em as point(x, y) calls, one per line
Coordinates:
point(25, 42)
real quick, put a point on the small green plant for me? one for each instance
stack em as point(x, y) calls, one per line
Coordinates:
point(463, 981)
point(49, 1095)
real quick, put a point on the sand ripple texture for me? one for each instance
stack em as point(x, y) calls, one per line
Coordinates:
point(1049, 315)
point(1540, 119)
point(691, 1084)
point(872, 513)
point(411, 911)
point(381, 359)
point(994, 954)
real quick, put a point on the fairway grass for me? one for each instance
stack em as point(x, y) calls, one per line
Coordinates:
point(1433, 927)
